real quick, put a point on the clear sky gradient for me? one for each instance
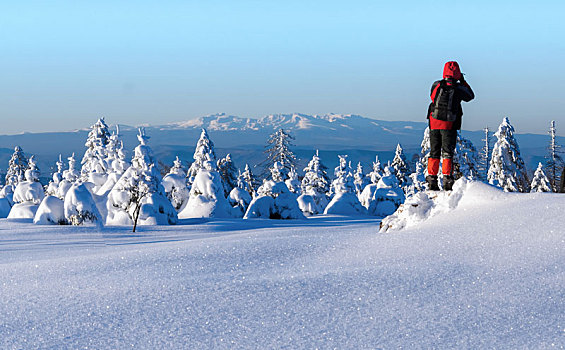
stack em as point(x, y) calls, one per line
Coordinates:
point(65, 63)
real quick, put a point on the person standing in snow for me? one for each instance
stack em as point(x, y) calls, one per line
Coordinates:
point(444, 115)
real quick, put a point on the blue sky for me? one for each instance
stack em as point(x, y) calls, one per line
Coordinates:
point(65, 63)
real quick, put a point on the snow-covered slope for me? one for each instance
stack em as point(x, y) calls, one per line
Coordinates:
point(487, 274)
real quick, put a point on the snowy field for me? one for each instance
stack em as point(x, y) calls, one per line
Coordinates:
point(489, 274)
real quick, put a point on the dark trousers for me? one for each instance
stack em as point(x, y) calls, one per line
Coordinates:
point(442, 143)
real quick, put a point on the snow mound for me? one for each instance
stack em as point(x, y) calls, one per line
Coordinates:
point(80, 207)
point(25, 210)
point(50, 212)
point(345, 203)
point(424, 205)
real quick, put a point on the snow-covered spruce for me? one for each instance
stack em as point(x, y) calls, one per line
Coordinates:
point(466, 159)
point(204, 152)
point(425, 151)
point(554, 163)
point(228, 172)
point(417, 181)
point(139, 193)
point(377, 171)
point(359, 179)
point(16, 167)
point(294, 185)
point(400, 166)
point(315, 186)
point(344, 201)
point(507, 169)
point(424, 205)
point(274, 200)
point(94, 164)
point(56, 178)
point(250, 183)
point(206, 198)
point(28, 194)
point(239, 198)
point(484, 156)
point(278, 151)
point(175, 186)
point(385, 197)
point(70, 176)
point(540, 182)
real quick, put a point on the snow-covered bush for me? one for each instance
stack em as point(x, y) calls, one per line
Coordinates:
point(70, 176)
point(80, 207)
point(27, 194)
point(417, 181)
point(377, 172)
point(507, 169)
point(385, 197)
point(345, 200)
point(207, 195)
point(274, 200)
point(293, 183)
point(359, 179)
point(175, 186)
point(239, 198)
point(51, 211)
point(56, 178)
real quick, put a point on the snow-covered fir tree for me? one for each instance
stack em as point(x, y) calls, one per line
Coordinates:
point(359, 179)
point(417, 181)
point(239, 197)
point(204, 152)
point(16, 167)
point(400, 166)
point(207, 197)
point(507, 169)
point(385, 197)
point(138, 197)
point(484, 156)
point(274, 200)
point(28, 194)
point(70, 176)
point(250, 183)
point(377, 172)
point(540, 182)
point(175, 186)
point(554, 163)
point(94, 159)
point(228, 172)
point(465, 159)
point(32, 172)
point(315, 186)
point(56, 178)
point(278, 150)
point(115, 155)
point(425, 151)
point(344, 201)
point(292, 182)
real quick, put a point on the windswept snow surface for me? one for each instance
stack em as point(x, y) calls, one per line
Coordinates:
point(487, 274)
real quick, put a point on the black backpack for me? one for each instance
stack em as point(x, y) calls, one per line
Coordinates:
point(443, 107)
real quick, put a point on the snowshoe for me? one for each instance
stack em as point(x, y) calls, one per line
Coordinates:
point(431, 180)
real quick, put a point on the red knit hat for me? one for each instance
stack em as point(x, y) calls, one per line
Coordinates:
point(451, 70)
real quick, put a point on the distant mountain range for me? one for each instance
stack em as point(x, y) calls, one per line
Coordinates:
point(360, 137)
